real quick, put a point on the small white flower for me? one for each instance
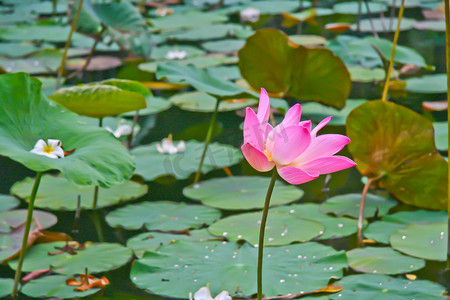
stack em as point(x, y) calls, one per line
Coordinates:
point(163, 11)
point(176, 54)
point(123, 129)
point(250, 14)
point(50, 149)
point(204, 294)
point(168, 147)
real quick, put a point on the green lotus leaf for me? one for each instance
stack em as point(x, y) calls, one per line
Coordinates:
point(281, 229)
point(42, 62)
point(427, 84)
point(226, 266)
point(154, 105)
point(151, 164)
point(334, 227)
point(225, 45)
point(266, 6)
point(14, 218)
point(200, 62)
point(103, 99)
point(202, 81)
point(162, 215)
point(394, 142)
point(187, 19)
point(96, 257)
point(8, 202)
point(54, 286)
point(270, 60)
point(17, 49)
point(241, 192)
point(37, 32)
point(317, 112)
point(362, 74)
point(226, 72)
point(6, 286)
point(382, 260)
point(384, 24)
point(150, 241)
point(381, 231)
point(58, 193)
point(202, 102)
point(352, 8)
point(441, 135)
point(427, 241)
point(209, 32)
point(348, 205)
point(383, 287)
point(98, 157)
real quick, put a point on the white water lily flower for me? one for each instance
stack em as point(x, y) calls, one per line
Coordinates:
point(176, 54)
point(250, 14)
point(163, 11)
point(122, 130)
point(204, 294)
point(168, 147)
point(50, 149)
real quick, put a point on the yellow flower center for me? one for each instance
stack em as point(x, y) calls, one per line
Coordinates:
point(269, 157)
point(48, 149)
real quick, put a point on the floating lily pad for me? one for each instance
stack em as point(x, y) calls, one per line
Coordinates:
point(8, 202)
point(17, 49)
point(203, 102)
point(317, 112)
point(203, 81)
point(14, 218)
point(241, 192)
point(381, 231)
point(441, 135)
point(96, 257)
point(209, 32)
point(266, 7)
point(151, 164)
point(226, 72)
point(394, 142)
point(154, 105)
point(226, 45)
point(362, 74)
point(6, 286)
point(188, 19)
point(348, 205)
point(54, 286)
point(191, 265)
point(382, 25)
point(160, 53)
point(428, 241)
point(46, 33)
point(44, 61)
point(285, 65)
point(200, 62)
point(308, 40)
point(59, 193)
point(150, 241)
point(334, 227)
point(98, 157)
point(427, 84)
point(383, 287)
point(352, 8)
point(163, 216)
point(382, 260)
point(281, 229)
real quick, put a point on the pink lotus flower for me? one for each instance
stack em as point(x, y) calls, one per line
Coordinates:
point(299, 155)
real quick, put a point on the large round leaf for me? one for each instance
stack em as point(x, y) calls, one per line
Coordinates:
point(27, 116)
point(151, 164)
point(202, 102)
point(441, 135)
point(382, 287)
point(59, 193)
point(382, 260)
point(427, 241)
point(6, 286)
point(427, 84)
point(54, 286)
point(183, 267)
point(269, 59)
point(96, 257)
point(241, 192)
point(334, 227)
point(102, 99)
point(394, 142)
point(281, 229)
point(150, 241)
point(348, 205)
point(8, 202)
point(164, 216)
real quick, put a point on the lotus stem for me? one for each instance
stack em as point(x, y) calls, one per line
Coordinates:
point(133, 125)
point(37, 181)
point(262, 231)
point(94, 203)
point(447, 54)
point(391, 62)
point(69, 39)
point(361, 209)
point(207, 140)
point(98, 226)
